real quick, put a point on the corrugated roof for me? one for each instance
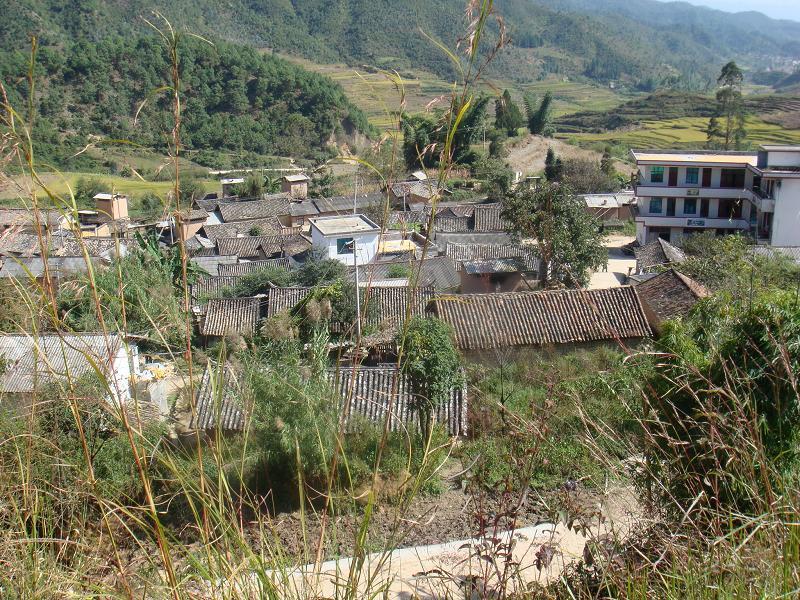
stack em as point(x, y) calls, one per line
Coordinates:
point(377, 392)
point(218, 402)
point(32, 362)
point(501, 320)
point(231, 315)
point(246, 268)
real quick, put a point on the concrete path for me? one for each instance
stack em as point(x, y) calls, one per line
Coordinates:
point(619, 264)
point(464, 568)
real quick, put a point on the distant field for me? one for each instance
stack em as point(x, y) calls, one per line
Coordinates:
point(380, 97)
point(678, 133)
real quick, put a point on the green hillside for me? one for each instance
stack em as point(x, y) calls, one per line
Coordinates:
point(599, 40)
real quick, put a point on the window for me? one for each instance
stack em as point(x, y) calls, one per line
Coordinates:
point(690, 206)
point(692, 175)
point(732, 178)
point(344, 245)
point(656, 174)
point(656, 205)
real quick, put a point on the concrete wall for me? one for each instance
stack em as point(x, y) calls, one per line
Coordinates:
point(366, 246)
point(486, 284)
point(783, 159)
point(786, 221)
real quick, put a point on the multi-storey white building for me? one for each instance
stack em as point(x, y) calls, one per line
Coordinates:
point(679, 193)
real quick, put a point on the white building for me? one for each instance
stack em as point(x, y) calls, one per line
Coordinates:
point(679, 193)
point(345, 238)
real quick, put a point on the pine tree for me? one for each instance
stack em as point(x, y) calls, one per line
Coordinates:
point(607, 162)
point(539, 119)
point(553, 168)
point(508, 116)
point(713, 133)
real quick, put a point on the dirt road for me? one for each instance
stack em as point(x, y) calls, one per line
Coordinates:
point(527, 154)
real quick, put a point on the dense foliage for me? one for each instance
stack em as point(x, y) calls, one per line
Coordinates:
point(235, 98)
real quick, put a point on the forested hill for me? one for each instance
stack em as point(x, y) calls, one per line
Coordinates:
point(236, 99)
point(643, 42)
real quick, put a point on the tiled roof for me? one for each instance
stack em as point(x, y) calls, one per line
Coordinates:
point(670, 294)
point(19, 243)
point(472, 237)
point(450, 224)
point(488, 217)
point(376, 392)
point(218, 401)
point(245, 268)
point(344, 204)
point(280, 299)
point(501, 320)
point(399, 217)
point(24, 218)
point(211, 287)
point(32, 362)
point(657, 253)
point(494, 265)
point(253, 246)
point(392, 303)
point(424, 189)
point(95, 246)
point(461, 253)
point(436, 271)
point(231, 315)
point(270, 225)
point(274, 205)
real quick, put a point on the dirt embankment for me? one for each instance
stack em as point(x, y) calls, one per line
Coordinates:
point(527, 154)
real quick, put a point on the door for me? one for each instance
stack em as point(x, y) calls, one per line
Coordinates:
point(704, 207)
point(706, 177)
point(670, 207)
point(673, 176)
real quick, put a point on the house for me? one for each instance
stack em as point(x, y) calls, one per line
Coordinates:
point(415, 194)
point(377, 393)
point(17, 220)
point(680, 193)
point(301, 212)
point(240, 269)
point(218, 402)
point(488, 324)
point(250, 227)
point(655, 254)
point(263, 246)
point(30, 363)
point(610, 207)
point(461, 253)
point(212, 264)
point(269, 206)
point(114, 206)
point(437, 272)
point(489, 218)
point(188, 223)
point(211, 287)
point(296, 185)
point(669, 295)
point(230, 185)
point(492, 275)
point(349, 239)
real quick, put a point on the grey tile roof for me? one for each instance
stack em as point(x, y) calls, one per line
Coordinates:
point(344, 204)
point(274, 205)
point(670, 294)
point(231, 315)
point(19, 243)
point(377, 392)
point(488, 217)
point(391, 304)
point(461, 253)
point(501, 320)
point(32, 362)
point(472, 237)
point(657, 253)
point(280, 299)
point(218, 402)
point(25, 218)
point(495, 265)
point(270, 225)
point(211, 287)
point(451, 224)
point(424, 189)
point(263, 246)
point(245, 268)
point(95, 246)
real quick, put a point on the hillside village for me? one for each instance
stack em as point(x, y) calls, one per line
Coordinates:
point(464, 356)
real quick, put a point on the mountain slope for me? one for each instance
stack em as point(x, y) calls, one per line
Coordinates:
point(596, 39)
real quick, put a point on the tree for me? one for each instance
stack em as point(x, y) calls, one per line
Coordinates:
point(496, 178)
point(713, 133)
point(433, 365)
point(568, 237)
point(607, 162)
point(539, 118)
point(507, 115)
point(252, 187)
point(552, 166)
point(584, 176)
point(497, 143)
point(730, 110)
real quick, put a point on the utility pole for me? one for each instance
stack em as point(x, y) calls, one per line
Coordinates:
point(358, 292)
point(355, 195)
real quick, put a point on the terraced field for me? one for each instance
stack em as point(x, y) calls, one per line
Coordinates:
point(681, 133)
point(379, 94)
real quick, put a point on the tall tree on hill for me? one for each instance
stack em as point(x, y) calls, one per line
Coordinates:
point(539, 116)
point(729, 130)
point(553, 167)
point(507, 115)
point(568, 239)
